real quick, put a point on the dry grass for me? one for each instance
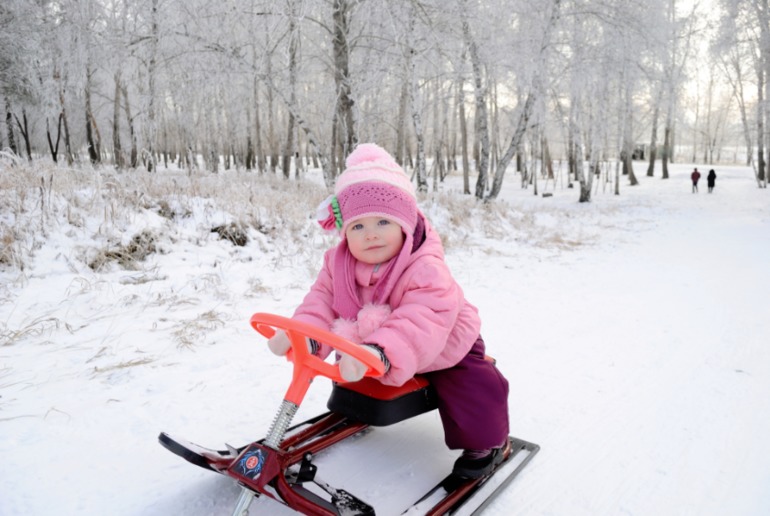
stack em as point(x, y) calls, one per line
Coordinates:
point(190, 333)
point(127, 256)
point(39, 198)
point(8, 252)
point(123, 365)
point(39, 326)
point(460, 219)
point(96, 206)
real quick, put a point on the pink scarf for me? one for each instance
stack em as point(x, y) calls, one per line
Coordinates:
point(347, 301)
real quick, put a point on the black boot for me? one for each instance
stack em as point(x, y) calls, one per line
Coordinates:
point(476, 464)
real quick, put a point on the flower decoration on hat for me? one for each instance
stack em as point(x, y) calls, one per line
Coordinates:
point(328, 214)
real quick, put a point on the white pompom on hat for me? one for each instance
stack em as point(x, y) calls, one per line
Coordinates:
point(370, 162)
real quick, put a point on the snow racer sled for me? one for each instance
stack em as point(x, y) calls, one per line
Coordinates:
point(281, 467)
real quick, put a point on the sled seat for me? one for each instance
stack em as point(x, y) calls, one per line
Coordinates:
point(373, 403)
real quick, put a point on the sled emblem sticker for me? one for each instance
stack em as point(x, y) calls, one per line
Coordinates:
point(251, 463)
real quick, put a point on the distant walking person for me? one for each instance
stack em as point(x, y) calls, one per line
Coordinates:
point(695, 176)
point(711, 178)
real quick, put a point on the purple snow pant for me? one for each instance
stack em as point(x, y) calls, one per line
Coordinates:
point(472, 402)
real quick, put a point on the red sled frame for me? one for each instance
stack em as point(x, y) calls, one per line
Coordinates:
point(279, 465)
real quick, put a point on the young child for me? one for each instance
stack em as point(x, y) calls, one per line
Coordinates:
point(386, 286)
point(695, 176)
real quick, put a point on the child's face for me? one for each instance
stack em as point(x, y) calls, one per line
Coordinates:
point(374, 240)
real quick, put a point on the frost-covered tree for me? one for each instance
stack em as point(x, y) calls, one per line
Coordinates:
point(272, 85)
point(19, 47)
point(742, 46)
point(734, 52)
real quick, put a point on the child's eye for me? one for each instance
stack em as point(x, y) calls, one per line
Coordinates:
point(384, 222)
point(356, 227)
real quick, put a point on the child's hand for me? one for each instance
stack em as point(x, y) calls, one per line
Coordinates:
point(353, 369)
point(279, 343)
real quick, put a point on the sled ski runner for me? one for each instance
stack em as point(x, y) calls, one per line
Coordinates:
point(281, 467)
point(452, 495)
point(455, 495)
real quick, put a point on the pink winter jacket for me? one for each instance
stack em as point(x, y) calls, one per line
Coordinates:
point(431, 326)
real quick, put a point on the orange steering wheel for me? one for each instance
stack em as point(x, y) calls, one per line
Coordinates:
point(306, 365)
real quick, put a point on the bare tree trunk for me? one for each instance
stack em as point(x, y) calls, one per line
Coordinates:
point(518, 136)
point(481, 111)
point(133, 159)
point(53, 147)
point(577, 147)
point(270, 151)
point(463, 135)
point(628, 148)
point(258, 129)
point(584, 177)
point(343, 112)
point(251, 160)
point(92, 134)
point(654, 139)
point(414, 95)
point(271, 144)
point(210, 151)
point(494, 134)
point(628, 166)
point(437, 168)
point(151, 73)
point(336, 159)
point(738, 93)
point(672, 139)
point(671, 69)
point(760, 126)
point(533, 159)
point(666, 149)
point(443, 140)
point(166, 144)
point(117, 149)
point(288, 150)
point(225, 129)
point(572, 159)
point(626, 124)
point(416, 104)
point(450, 126)
point(707, 132)
point(546, 159)
point(66, 127)
point(9, 128)
point(401, 127)
point(24, 130)
point(589, 151)
point(763, 86)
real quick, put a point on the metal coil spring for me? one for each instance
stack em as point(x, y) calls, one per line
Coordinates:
point(280, 424)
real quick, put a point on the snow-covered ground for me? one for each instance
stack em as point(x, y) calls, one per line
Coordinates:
point(634, 332)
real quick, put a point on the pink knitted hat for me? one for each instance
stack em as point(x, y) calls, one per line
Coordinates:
point(373, 184)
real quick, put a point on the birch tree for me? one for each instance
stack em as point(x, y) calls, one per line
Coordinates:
point(343, 122)
point(578, 87)
point(18, 49)
point(480, 98)
point(540, 64)
point(734, 50)
point(293, 37)
point(253, 82)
